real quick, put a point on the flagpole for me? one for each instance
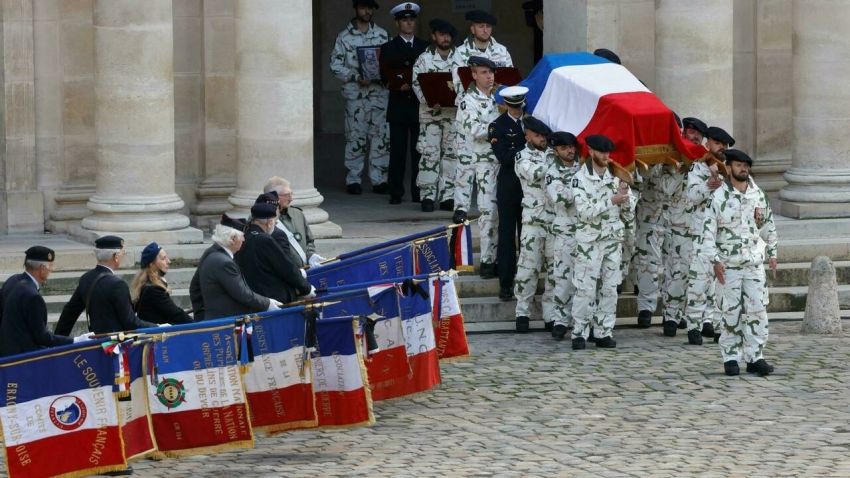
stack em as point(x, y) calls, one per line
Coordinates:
point(436, 232)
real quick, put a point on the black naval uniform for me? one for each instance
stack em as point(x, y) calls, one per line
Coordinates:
point(397, 58)
point(110, 309)
point(23, 323)
point(508, 138)
point(268, 269)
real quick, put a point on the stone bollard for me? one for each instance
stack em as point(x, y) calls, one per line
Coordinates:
point(822, 311)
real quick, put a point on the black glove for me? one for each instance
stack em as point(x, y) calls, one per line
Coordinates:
point(459, 216)
point(369, 332)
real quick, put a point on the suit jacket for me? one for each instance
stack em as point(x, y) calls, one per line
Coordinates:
point(268, 269)
point(507, 139)
point(397, 61)
point(110, 309)
point(24, 320)
point(155, 305)
point(219, 290)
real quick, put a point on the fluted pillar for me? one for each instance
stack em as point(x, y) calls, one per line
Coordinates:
point(694, 59)
point(819, 178)
point(134, 125)
point(274, 105)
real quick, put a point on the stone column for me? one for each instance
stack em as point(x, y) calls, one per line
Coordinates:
point(274, 105)
point(134, 125)
point(694, 59)
point(819, 178)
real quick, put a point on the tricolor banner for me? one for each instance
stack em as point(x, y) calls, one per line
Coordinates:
point(449, 329)
point(278, 382)
point(135, 423)
point(59, 414)
point(381, 265)
point(433, 255)
point(194, 390)
point(460, 248)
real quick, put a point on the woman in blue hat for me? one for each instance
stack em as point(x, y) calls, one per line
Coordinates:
point(149, 289)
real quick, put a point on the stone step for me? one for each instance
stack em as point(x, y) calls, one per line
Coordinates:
point(56, 302)
point(65, 282)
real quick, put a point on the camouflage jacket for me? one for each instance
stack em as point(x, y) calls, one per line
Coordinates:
point(430, 62)
point(598, 218)
point(530, 167)
point(698, 194)
point(651, 204)
point(560, 205)
point(731, 232)
point(476, 112)
point(676, 210)
point(346, 67)
point(496, 52)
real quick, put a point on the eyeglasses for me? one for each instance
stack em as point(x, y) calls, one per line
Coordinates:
point(285, 195)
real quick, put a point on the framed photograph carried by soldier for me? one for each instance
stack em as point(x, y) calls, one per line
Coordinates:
point(368, 57)
point(437, 88)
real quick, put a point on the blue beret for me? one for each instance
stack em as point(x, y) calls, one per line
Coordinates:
point(149, 254)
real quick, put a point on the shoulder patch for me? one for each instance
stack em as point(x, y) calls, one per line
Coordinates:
point(463, 105)
point(549, 179)
point(691, 168)
point(518, 155)
point(575, 182)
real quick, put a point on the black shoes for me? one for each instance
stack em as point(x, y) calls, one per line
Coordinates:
point(670, 327)
point(548, 326)
point(683, 324)
point(506, 293)
point(579, 344)
point(382, 188)
point(716, 337)
point(559, 332)
point(707, 330)
point(731, 368)
point(760, 367)
point(644, 319)
point(447, 205)
point(606, 343)
point(694, 338)
point(487, 270)
point(427, 205)
point(522, 324)
point(354, 188)
point(395, 199)
point(459, 216)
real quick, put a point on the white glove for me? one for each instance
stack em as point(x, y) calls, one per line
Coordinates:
point(165, 325)
point(84, 337)
point(303, 273)
point(312, 292)
point(274, 305)
point(316, 260)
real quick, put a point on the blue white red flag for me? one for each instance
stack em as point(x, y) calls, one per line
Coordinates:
point(132, 405)
point(449, 329)
point(381, 265)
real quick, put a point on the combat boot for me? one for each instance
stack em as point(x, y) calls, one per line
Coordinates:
point(707, 330)
point(522, 324)
point(559, 331)
point(644, 319)
point(731, 368)
point(606, 343)
point(447, 205)
point(683, 324)
point(548, 326)
point(427, 205)
point(760, 367)
point(694, 338)
point(578, 343)
point(670, 327)
point(487, 270)
point(506, 294)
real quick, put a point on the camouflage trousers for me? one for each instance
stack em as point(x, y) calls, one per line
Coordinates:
point(438, 162)
point(743, 307)
point(596, 274)
point(629, 241)
point(366, 130)
point(677, 250)
point(561, 278)
point(532, 265)
point(648, 263)
point(702, 290)
point(481, 174)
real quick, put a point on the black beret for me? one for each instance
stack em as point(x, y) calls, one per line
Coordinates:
point(608, 55)
point(238, 224)
point(720, 134)
point(109, 242)
point(263, 210)
point(481, 61)
point(268, 198)
point(737, 155)
point(536, 125)
point(480, 16)
point(40, 253)
point(562, 138)
point(695, 123)
point(442, 26)
point(600, 143)
point(365, 3)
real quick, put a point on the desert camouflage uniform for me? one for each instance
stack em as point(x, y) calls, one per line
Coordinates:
point(437, 134)
point(495, 52)
point(596, 258)
point(678, 245)
point(731, 236)
point(366, 126)
point(649, 238)
point(702, 287)
point(562, 237)
point(477, 165)
point(530, 166)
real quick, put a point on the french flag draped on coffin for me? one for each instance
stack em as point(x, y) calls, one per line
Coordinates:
point(65, 421)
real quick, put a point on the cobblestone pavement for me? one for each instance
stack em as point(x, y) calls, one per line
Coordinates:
point(527, 406)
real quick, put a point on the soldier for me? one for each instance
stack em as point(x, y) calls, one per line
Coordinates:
point(507, 137)
point(476, 163)
point(365, 101)
point(480, 42)
point(703, 180)
point(737, 215)
point(649, 237)
point(437, 132)
point(562, 228)
point(397, 58)
point(530, 166)
point(602, 203)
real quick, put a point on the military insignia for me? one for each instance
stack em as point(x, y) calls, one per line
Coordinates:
point(483, 105)
point(518, 155)
point(297, 236)
point(408, 6)
point(67, 412)
point(575, 182)
point(49, 257)
point(171, 393)
point(463, 106)
point(548, 180)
